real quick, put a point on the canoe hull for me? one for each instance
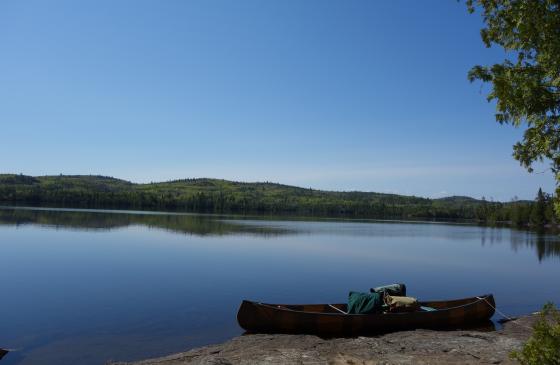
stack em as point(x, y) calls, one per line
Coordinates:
point(325, 321)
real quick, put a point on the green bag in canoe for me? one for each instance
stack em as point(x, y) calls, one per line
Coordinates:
point(363, 303)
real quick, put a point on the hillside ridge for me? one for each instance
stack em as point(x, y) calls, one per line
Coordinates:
point(25, 179)
point(209, 195)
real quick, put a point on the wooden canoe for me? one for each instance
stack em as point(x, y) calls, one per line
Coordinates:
point(324, 320)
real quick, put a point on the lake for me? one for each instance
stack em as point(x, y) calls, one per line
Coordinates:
point(87, 286)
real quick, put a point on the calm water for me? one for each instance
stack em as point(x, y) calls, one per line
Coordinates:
point(84, 287)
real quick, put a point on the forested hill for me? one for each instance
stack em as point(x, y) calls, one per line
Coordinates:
point(222, 196)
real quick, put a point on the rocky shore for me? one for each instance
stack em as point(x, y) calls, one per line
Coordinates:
point(399, 348)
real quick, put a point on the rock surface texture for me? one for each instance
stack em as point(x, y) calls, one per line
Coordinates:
point(409, 347)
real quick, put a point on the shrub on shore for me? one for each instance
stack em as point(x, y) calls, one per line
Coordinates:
point(543, 347)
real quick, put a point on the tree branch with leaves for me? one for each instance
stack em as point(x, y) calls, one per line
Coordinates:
point(526, 85)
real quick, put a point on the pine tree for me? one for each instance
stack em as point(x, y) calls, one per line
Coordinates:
point(538, 218)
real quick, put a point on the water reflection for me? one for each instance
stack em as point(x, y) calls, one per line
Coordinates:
point(545, 245)
point(199, 225)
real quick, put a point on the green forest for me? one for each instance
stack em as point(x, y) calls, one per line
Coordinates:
point(229, 197)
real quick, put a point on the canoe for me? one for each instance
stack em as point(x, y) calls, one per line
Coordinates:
point(329, 319)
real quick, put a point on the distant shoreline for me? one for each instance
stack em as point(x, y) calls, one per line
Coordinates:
point(238, 215)
point(214, 196)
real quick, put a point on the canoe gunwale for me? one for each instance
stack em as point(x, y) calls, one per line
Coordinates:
point(284, 307)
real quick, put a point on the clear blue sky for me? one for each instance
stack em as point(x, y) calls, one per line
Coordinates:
point(341, 95)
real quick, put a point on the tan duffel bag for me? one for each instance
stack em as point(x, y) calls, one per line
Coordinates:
point(401, 304)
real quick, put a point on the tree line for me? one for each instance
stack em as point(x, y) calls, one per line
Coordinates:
point(227, 197)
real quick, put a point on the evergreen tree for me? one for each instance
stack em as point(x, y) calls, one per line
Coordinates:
point(538, 218)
